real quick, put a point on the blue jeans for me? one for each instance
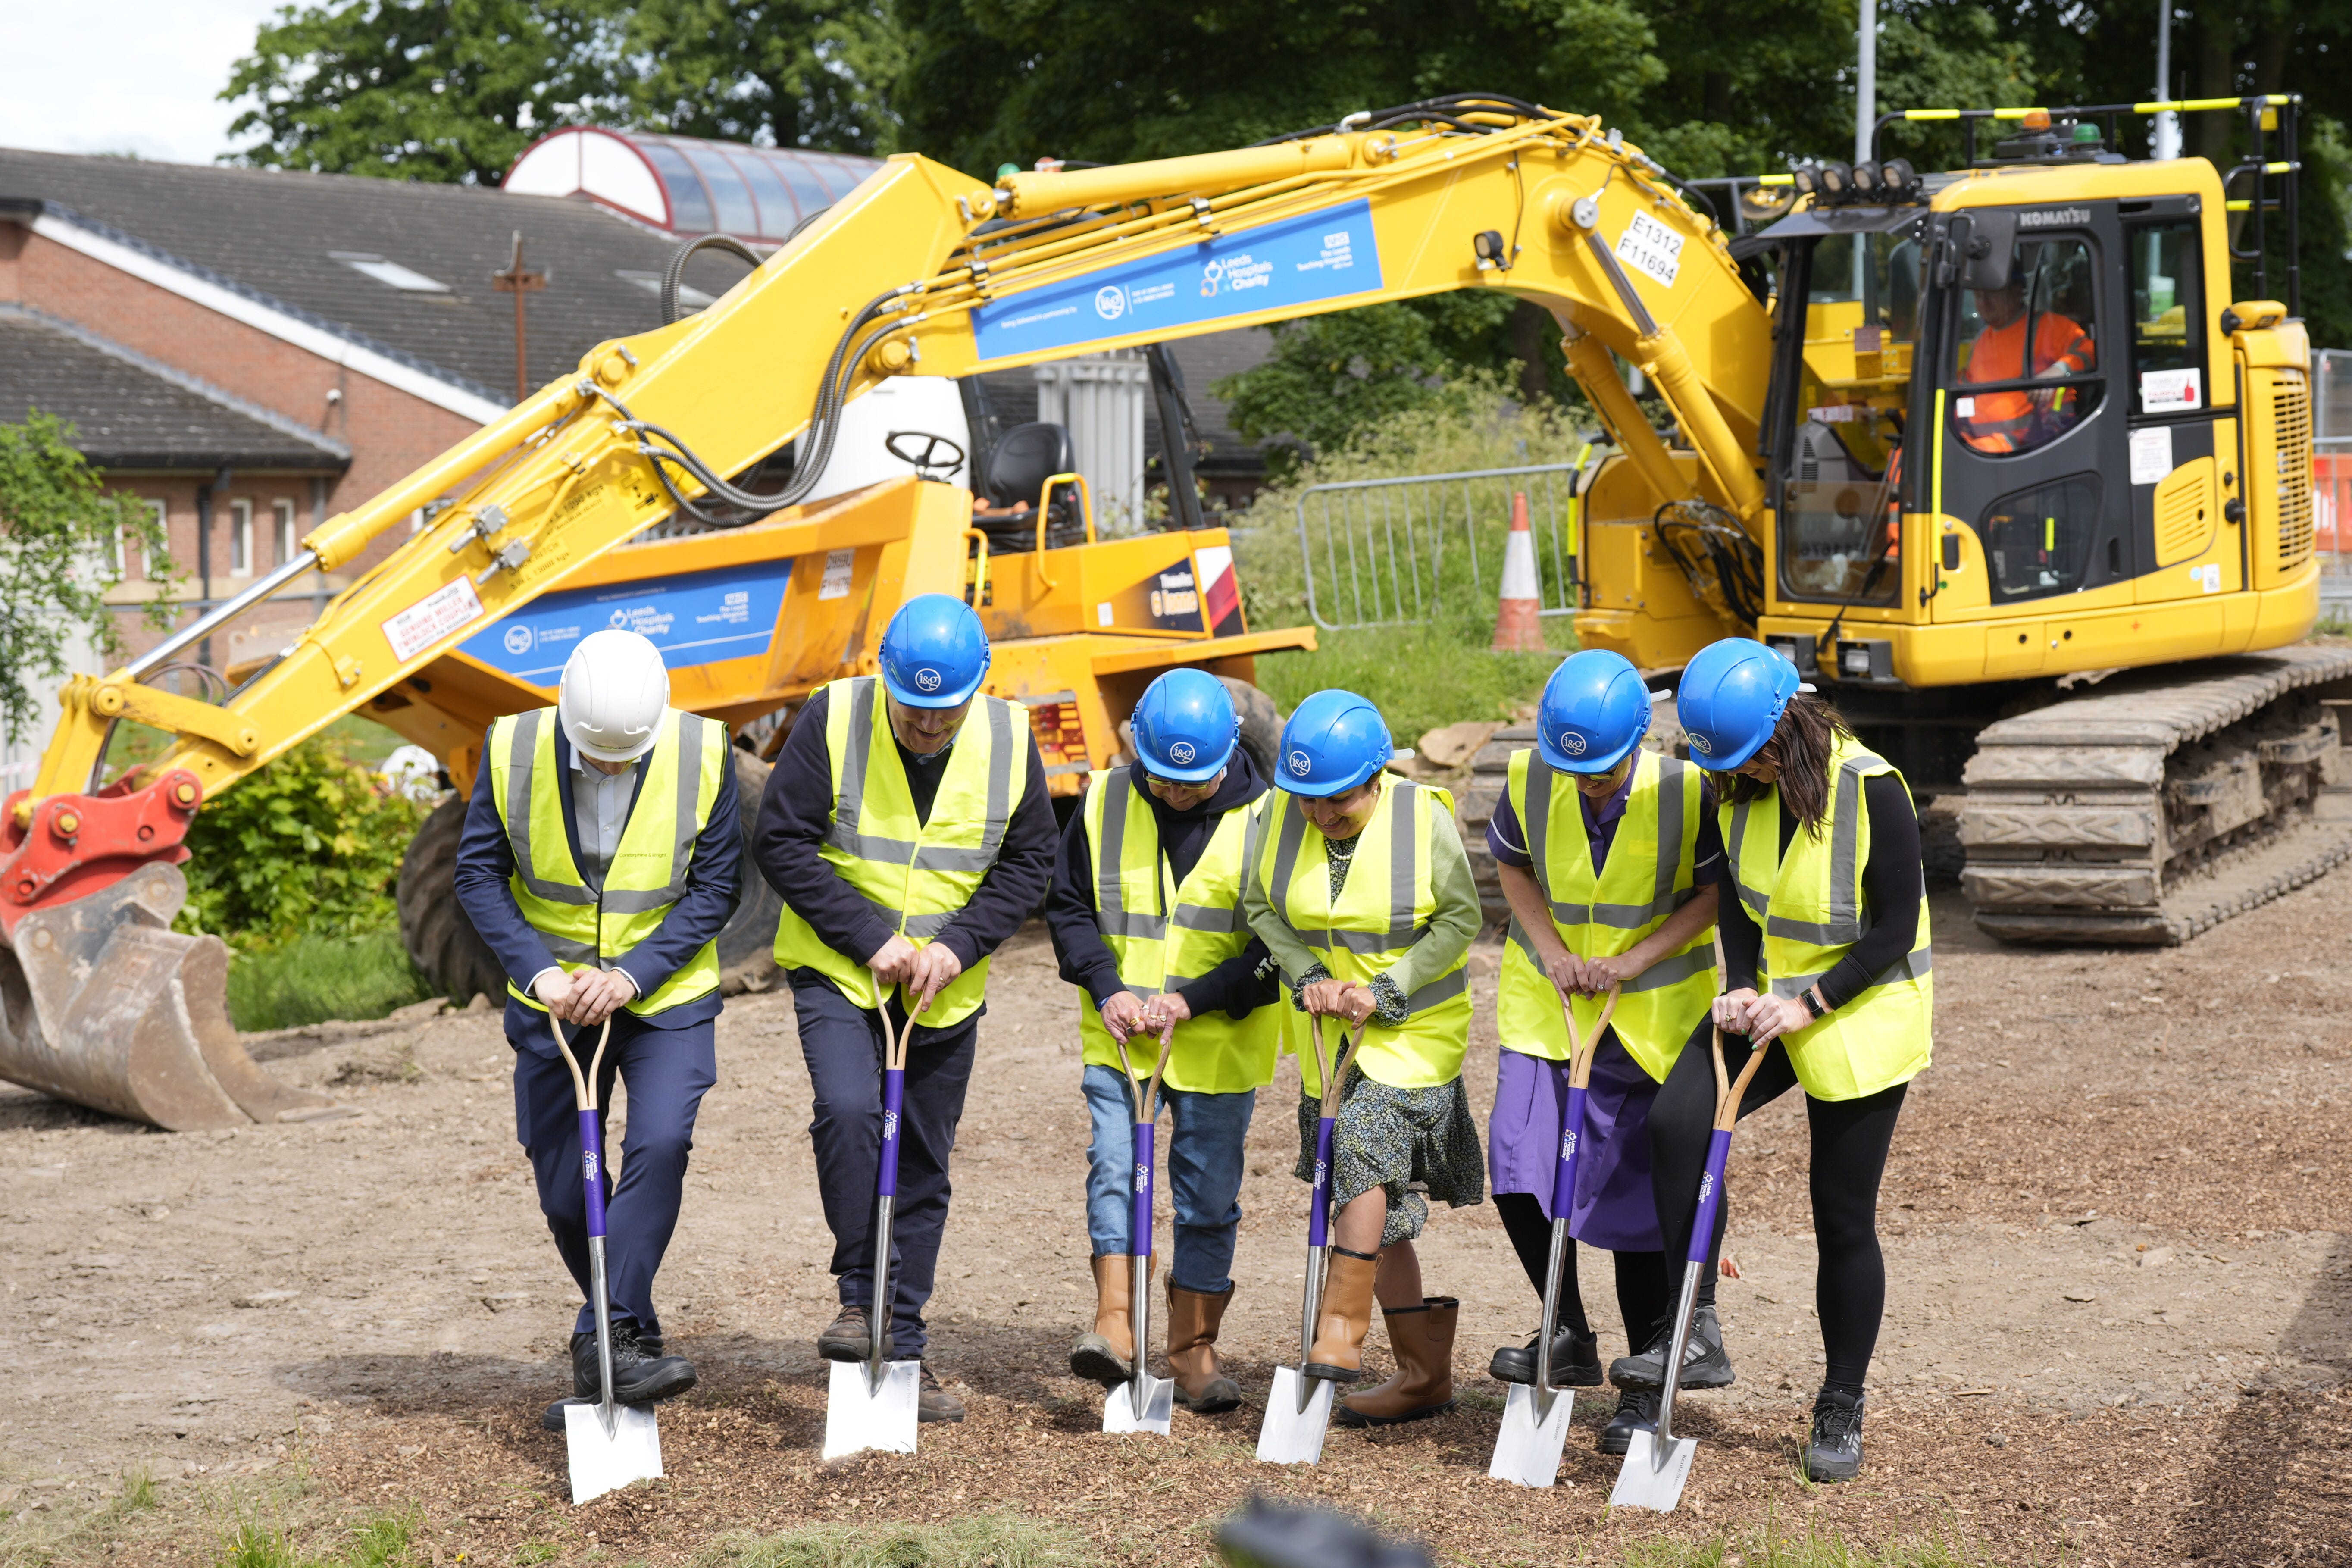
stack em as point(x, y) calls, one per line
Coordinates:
point(1202, 1160)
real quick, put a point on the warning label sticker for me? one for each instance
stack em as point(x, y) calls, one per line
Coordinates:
point(448, 608)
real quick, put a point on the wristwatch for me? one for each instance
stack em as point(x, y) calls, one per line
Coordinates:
point(1812, 1006)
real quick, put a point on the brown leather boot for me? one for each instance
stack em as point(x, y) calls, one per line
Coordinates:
point(1338, 1353)
point(1193, 1318)
point(1105, 1354)
point(1423, 1339)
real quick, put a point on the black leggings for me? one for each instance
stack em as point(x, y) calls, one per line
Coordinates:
point(1850, 1140)
point(1641, 1276)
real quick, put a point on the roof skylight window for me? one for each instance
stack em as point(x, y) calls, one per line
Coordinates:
point(390, 273)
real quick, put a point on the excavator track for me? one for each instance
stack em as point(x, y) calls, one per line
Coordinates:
point(2158, 804)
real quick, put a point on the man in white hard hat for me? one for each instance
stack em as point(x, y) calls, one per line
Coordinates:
point(600, 858)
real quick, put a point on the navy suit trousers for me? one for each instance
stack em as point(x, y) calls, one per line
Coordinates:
point(667, 1071)
point(843, 1046)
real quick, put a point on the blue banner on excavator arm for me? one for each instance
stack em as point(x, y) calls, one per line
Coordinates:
point(696, 617)
point(1325, 255)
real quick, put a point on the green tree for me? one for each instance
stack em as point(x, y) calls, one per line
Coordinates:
point(59, 535)
point(787, 73)
point(445, 90)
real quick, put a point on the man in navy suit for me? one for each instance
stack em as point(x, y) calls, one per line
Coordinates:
point(600, 858)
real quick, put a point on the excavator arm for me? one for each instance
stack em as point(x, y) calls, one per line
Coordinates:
point(921, 268)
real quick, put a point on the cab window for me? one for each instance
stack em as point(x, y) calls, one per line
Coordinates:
point(2038, 541)
point(1839, 517)
point(2167, 317)
point(2026, 355)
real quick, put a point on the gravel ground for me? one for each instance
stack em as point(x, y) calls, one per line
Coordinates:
point(2120, 1300)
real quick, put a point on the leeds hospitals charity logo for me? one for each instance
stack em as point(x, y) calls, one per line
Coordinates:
point(1111, 301)
point(1212, 275)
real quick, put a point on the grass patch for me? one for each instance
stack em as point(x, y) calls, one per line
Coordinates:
point(984, 1541)
point(314, 979)
point(1768, 1546)
point(382, 1541)
point(1434, 668)
point(250, 1544)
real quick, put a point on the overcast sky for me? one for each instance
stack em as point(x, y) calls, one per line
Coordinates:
point(124, 76)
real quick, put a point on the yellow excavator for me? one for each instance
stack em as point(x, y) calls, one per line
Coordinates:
point(1996, 455)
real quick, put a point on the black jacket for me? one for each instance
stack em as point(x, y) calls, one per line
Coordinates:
point(1232, 987)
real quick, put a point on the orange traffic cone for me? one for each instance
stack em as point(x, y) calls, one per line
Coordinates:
point(1516, 628)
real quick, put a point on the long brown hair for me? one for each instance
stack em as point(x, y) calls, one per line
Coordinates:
point(1800, 745)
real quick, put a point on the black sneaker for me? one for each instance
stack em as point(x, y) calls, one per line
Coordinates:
point(1575, 1361)
point(1637, 1411)
point(1833, 1453)
point(1704, 1363)
point(642, 1374)
point(935, 1403)
point(847, 1338)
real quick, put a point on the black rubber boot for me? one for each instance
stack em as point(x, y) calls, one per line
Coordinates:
point(847, 1338)
point(1637, 1411)
point(1833, 1453)
point(1575, 1361)
point(933, 1403)
point(1706, 1364)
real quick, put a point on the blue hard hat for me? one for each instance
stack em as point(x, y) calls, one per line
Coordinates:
point(1596, 709)
point(1334, 742)
point(1731, 699)
point(934, 652)
point(1185, 727)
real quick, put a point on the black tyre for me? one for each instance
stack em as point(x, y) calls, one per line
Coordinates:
point(746, 942)
point(1261, 726)
point(440, 940)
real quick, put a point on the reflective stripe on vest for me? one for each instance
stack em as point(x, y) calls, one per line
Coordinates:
point(1811, 909)
point(916, 875)
point(1383, 909)
point(1649, 874)
point(1212, 1053)
point(587, 923)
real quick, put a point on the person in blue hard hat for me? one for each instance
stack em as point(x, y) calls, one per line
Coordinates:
point(1826, 952)
point(1146, 918)
point(886, 829)
point(1608, 854)
point(1360, 887)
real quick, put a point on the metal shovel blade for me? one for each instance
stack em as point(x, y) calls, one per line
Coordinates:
point(1119, 1405)
point(859, 1416)
point(1648, 1481)
point(1528, 1449)
point(1292, 1437)
point(602, 1463)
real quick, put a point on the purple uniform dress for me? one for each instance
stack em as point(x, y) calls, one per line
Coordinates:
point(1614, 1207)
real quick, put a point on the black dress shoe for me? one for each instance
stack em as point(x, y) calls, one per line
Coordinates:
point(1637, 1411)
point(642, 1375)
point(1575, 1361)
point(1706, 1364)
point(1833, 1453)
point(849, 1337)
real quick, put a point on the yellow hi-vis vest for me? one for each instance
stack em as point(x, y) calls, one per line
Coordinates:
point(1809, 908)
point(1385, 907)
point(1647, 875)
point(1162, 943)
point(584, 927)
point(918, 875)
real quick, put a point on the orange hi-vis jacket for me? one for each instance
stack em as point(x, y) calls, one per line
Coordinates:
point(1999, 421)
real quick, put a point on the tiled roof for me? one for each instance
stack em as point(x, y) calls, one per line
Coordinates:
point(131, 412)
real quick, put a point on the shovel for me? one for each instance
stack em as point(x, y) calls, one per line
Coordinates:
point(1658, 1463)
point(1535, 1420)
point(872, 1403)
point(1299, 1407)
point(1143, 1404)
point(609, 1445)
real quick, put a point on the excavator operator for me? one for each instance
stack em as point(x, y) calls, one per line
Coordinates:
point(2020, 419)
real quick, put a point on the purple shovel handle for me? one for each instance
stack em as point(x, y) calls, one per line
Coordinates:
point(894, 1098)
point(592, 1169)
point(1710, 1197)
point(1138, 1210)
point(1319, 1198)
point(1571, 1134)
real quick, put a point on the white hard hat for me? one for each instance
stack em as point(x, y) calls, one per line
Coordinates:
point(614, 689)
